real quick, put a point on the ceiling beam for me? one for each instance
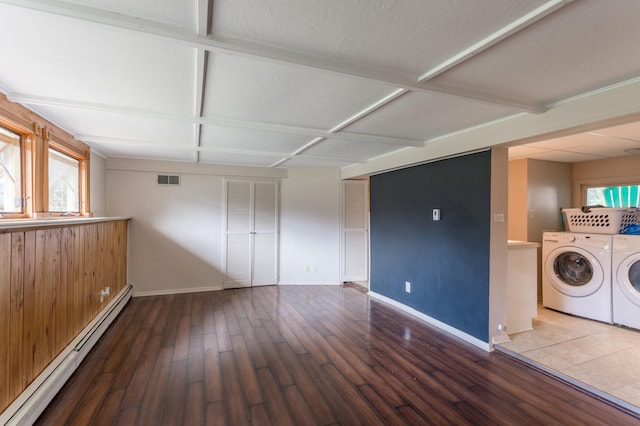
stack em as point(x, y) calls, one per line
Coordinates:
point(370, 109)
point(495, 38)
point(200, 80)
point(28, 99)
point(187, 147)
point(203, 27)
point(203, 17)
point(267, 53)
point(308, 131)
point(213, 121)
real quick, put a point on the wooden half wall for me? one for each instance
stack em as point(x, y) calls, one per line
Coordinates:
point(51, 279)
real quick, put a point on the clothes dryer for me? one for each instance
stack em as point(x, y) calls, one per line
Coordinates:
point(626, 280)
point(576, 274)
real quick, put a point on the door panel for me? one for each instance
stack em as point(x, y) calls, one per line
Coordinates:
point(238, 265)
point(355, 265)
point(264, 265)
point(265, 206)
point(238, 206)
point(355, 232)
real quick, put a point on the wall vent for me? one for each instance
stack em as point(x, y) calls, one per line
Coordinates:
point(168, 180)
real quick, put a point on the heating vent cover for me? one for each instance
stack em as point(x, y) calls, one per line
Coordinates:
point(168, 179)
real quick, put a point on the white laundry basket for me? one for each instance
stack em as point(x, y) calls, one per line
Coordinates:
point(600, 220)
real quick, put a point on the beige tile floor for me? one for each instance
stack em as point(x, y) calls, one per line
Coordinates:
point(602, 358)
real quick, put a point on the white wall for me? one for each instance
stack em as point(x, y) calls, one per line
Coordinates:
point(498, 296)
point(549, 190)
point(310, 227)
point(98, 185)
point(176, 232)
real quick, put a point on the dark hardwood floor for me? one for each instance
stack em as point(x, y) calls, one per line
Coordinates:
point(303, 356)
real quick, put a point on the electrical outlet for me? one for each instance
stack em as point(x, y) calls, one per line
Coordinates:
point(407, 286)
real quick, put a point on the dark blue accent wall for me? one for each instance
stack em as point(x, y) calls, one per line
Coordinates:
point(446, 261)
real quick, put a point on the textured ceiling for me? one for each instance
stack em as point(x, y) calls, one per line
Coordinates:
point(316, 83)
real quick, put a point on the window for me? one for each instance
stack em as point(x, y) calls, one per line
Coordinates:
point(64, 178)
point(44, 171)
point(614, 196)
point(11, 196)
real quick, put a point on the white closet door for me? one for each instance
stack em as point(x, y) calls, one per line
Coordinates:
point(238, 233)
point(355, 235)
point(251, 233)
point(265, 226)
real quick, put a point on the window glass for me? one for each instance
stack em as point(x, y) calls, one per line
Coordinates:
point(614, 196)
point(64, 176)
point(10, 172)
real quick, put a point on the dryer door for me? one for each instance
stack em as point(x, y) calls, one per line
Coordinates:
point(628, 278)
point(574, 271)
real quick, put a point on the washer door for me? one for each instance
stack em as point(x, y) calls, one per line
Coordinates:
point(628, 278)
point(574, 271)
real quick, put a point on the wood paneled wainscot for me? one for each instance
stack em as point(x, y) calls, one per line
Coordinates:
point(54, 276)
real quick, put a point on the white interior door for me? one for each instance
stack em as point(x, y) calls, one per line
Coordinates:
point(251, 237)
point(355, 230)
point(265, 233)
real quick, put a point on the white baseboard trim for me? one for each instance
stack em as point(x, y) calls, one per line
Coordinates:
point(213, 288)
point(176, 291)
point(301, 284)
point(26, 408)
point(426, 318)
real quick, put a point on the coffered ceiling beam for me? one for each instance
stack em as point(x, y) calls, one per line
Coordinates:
point(203, 27)
point(213, 121)
point(28, 99)
point(308, 131)
point(495, 38)
point(370, 109)
point(203, 17)
point(268, 53)
point(200, 80)
point(186, 147)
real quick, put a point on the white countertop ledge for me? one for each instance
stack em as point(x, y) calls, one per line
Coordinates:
point(522, 244)
point(62, 221)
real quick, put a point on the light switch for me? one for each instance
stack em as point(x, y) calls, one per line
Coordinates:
point(436, 214)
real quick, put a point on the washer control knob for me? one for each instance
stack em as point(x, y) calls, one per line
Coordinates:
point(571, 238)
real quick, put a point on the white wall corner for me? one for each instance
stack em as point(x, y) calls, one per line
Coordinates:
point(498, 244)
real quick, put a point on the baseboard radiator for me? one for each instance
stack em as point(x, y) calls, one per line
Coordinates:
point(28, 406)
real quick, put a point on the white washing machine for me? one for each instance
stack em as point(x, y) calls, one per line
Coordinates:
point(626, 280)
point(576, 274)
